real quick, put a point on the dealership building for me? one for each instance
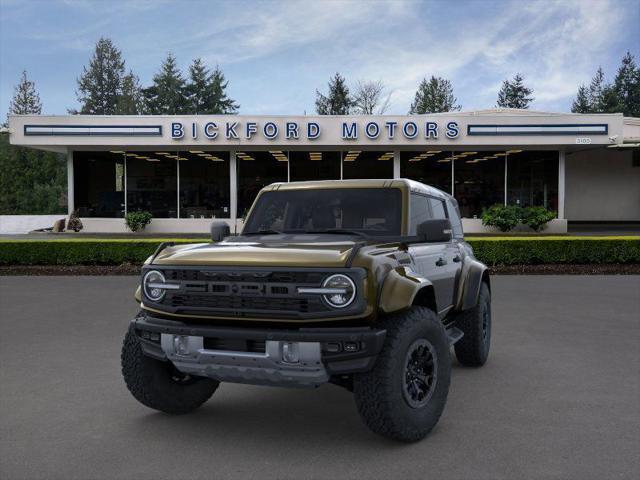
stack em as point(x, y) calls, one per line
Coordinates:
point(187, 170)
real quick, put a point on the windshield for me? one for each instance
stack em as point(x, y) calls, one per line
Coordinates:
point(371, 211)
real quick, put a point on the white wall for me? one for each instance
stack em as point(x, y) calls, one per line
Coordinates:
point(474, 225)
point(25, 223)
point(602, 185)
point(157, 225)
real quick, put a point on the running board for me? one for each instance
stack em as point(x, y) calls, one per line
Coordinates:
point(454, 334)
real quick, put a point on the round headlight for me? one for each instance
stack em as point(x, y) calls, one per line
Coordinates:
point(151, 291)
point(343, 291)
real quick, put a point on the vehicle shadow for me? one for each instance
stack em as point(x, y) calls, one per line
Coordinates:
point(280, 417)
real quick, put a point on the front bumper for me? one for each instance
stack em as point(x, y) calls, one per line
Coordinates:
point(256, 356)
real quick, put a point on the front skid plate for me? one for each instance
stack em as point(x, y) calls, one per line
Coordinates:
point(266, 368)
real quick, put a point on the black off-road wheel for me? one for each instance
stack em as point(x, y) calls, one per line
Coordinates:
point(159, 385)
point(404, 395)
point(472, 349)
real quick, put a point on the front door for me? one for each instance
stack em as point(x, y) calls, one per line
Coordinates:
point(435, 262)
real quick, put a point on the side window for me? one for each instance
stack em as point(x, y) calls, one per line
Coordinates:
point(454, 217)
point(437, 206)
point(419, 211)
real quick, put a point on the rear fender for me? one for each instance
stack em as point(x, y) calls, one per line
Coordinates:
point(403, 288)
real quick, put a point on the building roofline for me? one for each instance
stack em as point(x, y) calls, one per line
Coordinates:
point(502, 112)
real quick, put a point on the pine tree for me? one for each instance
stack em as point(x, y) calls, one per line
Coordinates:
point(596, 91)
point(338, 101)
point(610, 101)
point(99, 86)
point(130, 101)
point(167, 95)
point(31, 181)
point(218, 101)
point(25, 99)
point(206, 91)
point(196, 89)
point(627, 86)
point(434, 95)
point(581, 104)
point(514, 94)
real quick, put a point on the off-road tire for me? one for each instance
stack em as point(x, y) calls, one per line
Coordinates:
point(152, 382)
point(379, 394)
point(472, 349)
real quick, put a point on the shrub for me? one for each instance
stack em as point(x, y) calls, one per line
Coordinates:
point(507, 217)
point(536, 217)
point(74, 223)
point(504, 218)
point(137, 220)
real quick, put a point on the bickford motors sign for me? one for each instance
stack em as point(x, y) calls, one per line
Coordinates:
point(295, 130)
point(232, 131)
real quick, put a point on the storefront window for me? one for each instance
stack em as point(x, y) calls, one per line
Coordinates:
point(532, 179)
point(314, 166)
point(431, 167)
point(204, 184)
point(478, 180)
point(152, 183)
point(257, 170)
point(363, 164)
point(99, 184)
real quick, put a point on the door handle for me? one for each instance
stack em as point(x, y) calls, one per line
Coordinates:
point(441, 262)
point(457, 258)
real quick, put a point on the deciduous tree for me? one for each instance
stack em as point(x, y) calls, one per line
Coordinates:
point(371, 98)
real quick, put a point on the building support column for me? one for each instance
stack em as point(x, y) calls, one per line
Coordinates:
point(453, 175)
point(506, 183)
point(177, 188)
point(396, 164)
point(233, 193)
point(561, 183)
point(70, 183)
point(126, 192)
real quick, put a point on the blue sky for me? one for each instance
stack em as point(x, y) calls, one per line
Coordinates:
point(276, 53)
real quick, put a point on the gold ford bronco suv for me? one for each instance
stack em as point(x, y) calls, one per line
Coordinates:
point(362, 283)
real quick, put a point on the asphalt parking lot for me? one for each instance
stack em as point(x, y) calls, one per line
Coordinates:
point(559, 397)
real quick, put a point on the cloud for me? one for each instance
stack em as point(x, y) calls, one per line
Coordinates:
point(277, 53)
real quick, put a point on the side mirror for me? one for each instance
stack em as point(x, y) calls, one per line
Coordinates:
point(219, 230)
point(434, 230)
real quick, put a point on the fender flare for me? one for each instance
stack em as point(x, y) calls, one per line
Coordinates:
point(402, 287)
point(472, 276)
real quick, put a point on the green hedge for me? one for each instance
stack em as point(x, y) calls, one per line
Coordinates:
point(568, 250)
point(490, 250)
point(78, 251)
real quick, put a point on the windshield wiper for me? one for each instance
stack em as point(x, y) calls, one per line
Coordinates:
point(340, 231)
point(263, 232)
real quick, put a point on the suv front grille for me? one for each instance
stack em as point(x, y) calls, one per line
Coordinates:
point(250, 293)
point(244, 303)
